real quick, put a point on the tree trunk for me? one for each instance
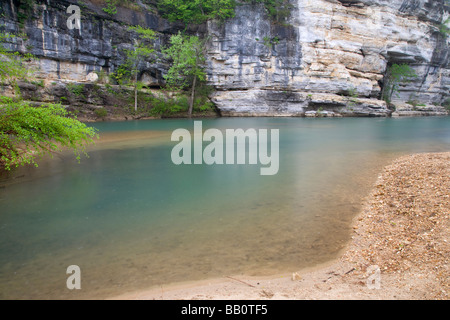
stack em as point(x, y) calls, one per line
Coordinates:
point(135, 93)
point(191, 102)
point(388, 87)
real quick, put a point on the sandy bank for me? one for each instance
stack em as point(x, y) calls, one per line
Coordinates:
point(402, 233)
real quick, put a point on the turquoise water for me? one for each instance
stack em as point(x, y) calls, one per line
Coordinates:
point(131, 219)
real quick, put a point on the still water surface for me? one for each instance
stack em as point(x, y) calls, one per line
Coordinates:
point(131, 219)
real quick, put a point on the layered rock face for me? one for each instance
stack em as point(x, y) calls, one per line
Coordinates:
point(332, 57)
point(329, 57)
point(74, 54)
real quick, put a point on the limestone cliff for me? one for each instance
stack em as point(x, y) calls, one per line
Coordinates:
point(329, 57)
point(330, 52)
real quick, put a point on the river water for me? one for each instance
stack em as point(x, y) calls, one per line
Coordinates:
point(131, 219)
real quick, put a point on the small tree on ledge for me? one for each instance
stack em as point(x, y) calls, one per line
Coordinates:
point(187, 70)
point(395, 75)
point(142, 51)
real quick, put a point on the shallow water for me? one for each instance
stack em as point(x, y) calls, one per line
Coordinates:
point(131, 219)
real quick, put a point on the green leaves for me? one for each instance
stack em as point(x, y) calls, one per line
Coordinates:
point(278, 10)
point(186, 53)
point(110, 8)
point(196, 11)
point(199, 11)
point(396, 74)
point(443, 27)
point(27, 132)
point(399, 72)
point(144, 33)
point(12, 63)
point(142, 50)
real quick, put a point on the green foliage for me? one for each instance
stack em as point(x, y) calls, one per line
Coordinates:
point(188, 64)
point(352, 97)
point(205, 107)
point(196, 11)
point(39, 83)
point(443, 28)
point(278, 10)
point(12, 64)
point(268, 42)
point(122, 74)
point(110, 8)
point(162, 106)
point(76, 89)
point(27, 132)
point(110, 89)
point(202, 103)
point(25, 8)
point(186, 53)
point(101, 112)
point(199, 11)
point(396, 74)
point(352, 92)
point(319, 112)
point(142, 50)
point(179, 103)
point(166, 107)
point(102, 76)
point(415, 103)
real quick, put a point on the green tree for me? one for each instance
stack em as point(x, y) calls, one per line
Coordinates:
point(196, 11)
point(278, 10)
point(143, 49)
point(187, 69)
point(27, 132)
point(395, 75)
point(110, 8)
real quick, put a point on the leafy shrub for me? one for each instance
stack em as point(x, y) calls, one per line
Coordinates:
point(27, 132)
point(101, 112)
point(163, 106)
point(110, 8)
point(195, 11)
point(76, 89)
point(395, 75)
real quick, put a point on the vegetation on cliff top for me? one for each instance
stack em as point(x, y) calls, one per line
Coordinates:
point(199, 11)
point(196, 11)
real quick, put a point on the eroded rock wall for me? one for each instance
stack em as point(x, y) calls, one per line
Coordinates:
point(329, 58)
point(332, 56)
point(72, 54)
